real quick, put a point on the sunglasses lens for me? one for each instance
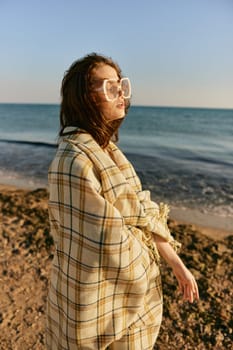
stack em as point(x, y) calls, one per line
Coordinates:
point(125, 87)
point(112, 88)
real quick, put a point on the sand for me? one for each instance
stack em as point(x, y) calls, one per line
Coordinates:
point(212, 225)
point(26, 251)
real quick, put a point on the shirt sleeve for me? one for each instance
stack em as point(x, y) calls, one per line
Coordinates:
point(149, 216)
point(157, 217)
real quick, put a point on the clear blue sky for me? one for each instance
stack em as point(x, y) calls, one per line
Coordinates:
point(176, 52)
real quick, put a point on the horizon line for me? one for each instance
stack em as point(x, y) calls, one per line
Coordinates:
point(133, 105)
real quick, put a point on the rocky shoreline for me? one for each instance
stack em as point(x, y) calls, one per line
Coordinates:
point(26, 251)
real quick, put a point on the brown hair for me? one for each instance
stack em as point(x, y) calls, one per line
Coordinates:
point(79, 108)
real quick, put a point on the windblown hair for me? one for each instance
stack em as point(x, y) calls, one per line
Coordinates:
point(79, 108)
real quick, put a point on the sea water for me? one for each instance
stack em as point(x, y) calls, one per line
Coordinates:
point(184, 156)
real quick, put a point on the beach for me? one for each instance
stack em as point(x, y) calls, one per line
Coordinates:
point(26, 251)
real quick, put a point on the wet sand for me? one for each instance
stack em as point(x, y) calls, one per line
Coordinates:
point(26, 250)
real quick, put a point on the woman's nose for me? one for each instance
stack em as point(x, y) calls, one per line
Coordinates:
point(120, 93)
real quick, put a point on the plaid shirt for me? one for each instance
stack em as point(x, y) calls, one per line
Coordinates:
point(105, 279)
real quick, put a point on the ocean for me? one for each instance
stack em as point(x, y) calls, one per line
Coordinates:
point(184, 156)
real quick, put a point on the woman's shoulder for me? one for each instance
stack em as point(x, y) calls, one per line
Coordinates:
point(70, 155)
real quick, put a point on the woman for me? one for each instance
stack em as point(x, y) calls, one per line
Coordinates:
point(105, 290)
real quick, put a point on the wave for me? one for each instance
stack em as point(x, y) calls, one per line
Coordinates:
point(32, 143)
point(177, 158)
point(206, 160)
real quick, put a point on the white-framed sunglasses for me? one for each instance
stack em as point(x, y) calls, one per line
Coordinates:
point(112, 87)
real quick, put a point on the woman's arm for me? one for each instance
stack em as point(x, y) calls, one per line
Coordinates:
point(187, 283)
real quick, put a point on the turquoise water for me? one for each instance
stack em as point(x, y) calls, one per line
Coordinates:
point(184, 155)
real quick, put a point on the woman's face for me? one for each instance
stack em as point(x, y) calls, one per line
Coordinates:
point(111, 110)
